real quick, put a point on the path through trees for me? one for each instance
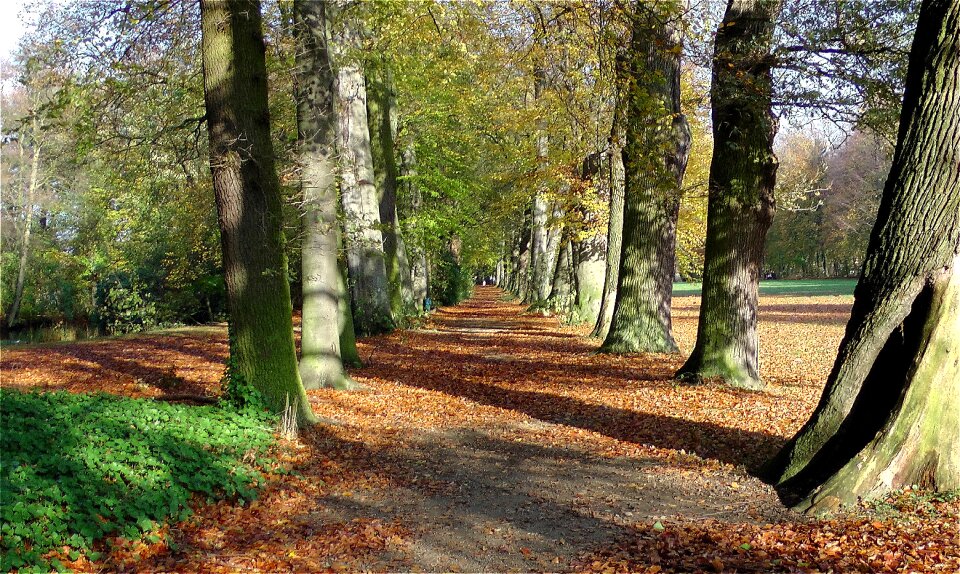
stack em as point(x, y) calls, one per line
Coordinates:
point(495, 440)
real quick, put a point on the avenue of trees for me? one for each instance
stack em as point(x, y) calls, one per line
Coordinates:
point(169, 162)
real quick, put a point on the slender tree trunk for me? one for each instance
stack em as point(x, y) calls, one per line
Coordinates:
point(367, 272)
point(616, 177)
point(523, 259)
point(247, 192)
point(14, 311)
point(382, 115)
point(654, 159)
point(741, 202)
point(889, 416)
point(539, 249)
point(417, 254)
point(323, 294)
point(560, 299)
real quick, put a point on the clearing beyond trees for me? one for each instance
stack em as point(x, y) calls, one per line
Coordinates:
point(495, 439)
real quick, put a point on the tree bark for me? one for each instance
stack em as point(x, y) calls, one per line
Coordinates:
point(540, 271)
point(416, 253)
point(382, 115)
point(367, 272)
point(616, 177)
point(14, 311)
point(323, 289)
point(560, 299)
point(889, 416)
point(654, 159)
point(247, 192)
point(741, 203)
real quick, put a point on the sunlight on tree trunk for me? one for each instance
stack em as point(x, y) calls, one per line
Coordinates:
point(367, 272)
point(654, 159)
point(323, 294)
point(889, 416)
point(741, 202)
point(247, 192)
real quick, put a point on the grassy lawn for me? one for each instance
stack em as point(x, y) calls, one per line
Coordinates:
point(784, 287)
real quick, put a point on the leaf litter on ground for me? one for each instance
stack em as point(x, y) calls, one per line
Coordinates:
point(619, 448)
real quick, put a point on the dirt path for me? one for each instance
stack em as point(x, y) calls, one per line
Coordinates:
point(488, 440)
point(532, 490)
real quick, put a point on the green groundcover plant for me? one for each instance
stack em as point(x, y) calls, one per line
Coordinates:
point(78, 468)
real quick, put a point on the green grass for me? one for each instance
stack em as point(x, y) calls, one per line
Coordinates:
point(78, 468)
point(784, 287)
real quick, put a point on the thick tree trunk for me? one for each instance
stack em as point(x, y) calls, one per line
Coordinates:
point(589, 274)
point(382, 115)
point(654, 159)
point(247, 192)
point(367, 272)
point(741, 203)
point(616, 178)
point(14, 311)
point(323, 289)
point(889, 416)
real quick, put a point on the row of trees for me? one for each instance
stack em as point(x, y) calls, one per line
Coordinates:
point(389, 150)
point(880, 423)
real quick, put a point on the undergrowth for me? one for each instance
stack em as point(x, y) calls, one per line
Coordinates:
point(79, 468)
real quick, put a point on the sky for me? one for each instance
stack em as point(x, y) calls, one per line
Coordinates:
point(11, 26)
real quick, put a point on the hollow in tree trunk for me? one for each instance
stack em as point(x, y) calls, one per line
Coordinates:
point(247, 192)
point(740, 202)
point(889, 416)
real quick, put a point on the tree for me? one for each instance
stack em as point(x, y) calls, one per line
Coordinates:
point(654, 159)
point(367, 272)
point(741, 202)
point(889, 415)
point(382, 115)
point(247, 192)
point(325, 308)
point(616, 177)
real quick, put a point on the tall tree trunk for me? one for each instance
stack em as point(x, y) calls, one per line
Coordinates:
point(14, 311)
point(654, 159)
point(889, 416)
point(523, 258)
point(540, 272)
point(740, 205)
point(382, 115)
point(416, 253)
point(323, 294)
point(367, 272)
point(247, 192)
point(616, 177)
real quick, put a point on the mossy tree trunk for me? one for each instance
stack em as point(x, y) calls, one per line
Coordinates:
point(654, 159)
point(325, 309)
point(366, 266)
point(740, 205)
point(889, 416)
point(382, 117)
point(247, 192)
